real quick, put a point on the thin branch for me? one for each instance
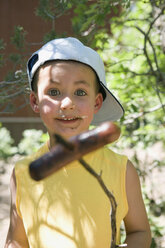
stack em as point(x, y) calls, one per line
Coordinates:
point(123, 60)
point(68, 145)
point(5, 111)
point(157, 73)
point(137, 115)
point(154, 52)
point(12, 95)
point(133, 72)
point(152, 23)
point(145, 49)
point(4, 83)
point(111, 199)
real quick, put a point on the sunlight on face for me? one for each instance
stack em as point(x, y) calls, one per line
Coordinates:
point(67, 97)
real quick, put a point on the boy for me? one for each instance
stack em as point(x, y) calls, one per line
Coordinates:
point(69, 209)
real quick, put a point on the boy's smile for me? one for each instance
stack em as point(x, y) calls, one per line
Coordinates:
point(66, 98)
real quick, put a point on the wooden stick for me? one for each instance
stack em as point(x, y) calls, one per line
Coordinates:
point(78, 146)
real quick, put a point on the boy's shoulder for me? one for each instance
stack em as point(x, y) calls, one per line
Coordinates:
point(107, 158)
point(113, 159)
point(111, 153)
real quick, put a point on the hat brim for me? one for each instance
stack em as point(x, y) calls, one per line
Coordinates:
point(111, 109)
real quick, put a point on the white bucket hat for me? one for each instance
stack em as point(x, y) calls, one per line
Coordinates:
point(72, 49)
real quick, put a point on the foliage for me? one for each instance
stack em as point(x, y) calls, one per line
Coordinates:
point(26, 146)
point(6, 145)
point(134, 57)
point(136, 69)
point(50, 10)
point(14, 85)
point(2, 47)
point(18, 39)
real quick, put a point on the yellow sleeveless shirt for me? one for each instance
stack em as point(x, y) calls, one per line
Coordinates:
point(69, 209)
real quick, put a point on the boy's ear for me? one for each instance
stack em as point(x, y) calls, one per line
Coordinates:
point(34, 102)
point(98, 102)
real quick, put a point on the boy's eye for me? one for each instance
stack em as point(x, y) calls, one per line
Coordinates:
point(80, 93)
point(54, 92)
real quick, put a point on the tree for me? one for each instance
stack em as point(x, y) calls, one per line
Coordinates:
point(15, 82)
point(87, 20)
point(134, 57)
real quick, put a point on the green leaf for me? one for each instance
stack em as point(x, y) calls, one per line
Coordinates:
point(18, 39)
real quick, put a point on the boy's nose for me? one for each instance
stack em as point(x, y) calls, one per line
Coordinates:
point(67, 103)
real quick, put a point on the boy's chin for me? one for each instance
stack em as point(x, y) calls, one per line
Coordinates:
point(67, 133)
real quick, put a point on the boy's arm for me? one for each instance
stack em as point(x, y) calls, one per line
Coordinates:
point(138, 233)
point(16, 237)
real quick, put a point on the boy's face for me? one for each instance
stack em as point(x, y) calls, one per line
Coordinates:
point(66, 98)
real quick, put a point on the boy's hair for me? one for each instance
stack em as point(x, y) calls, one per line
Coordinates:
point(71, 49)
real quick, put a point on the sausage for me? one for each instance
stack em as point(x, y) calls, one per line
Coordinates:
point(74, 149)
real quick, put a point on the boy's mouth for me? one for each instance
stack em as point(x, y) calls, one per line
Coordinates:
point(70, 118)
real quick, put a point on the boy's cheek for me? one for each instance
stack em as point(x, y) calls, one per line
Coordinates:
point(47, 109)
